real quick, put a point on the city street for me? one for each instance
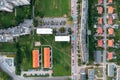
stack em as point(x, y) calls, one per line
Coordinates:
point(74, 62)
point(105, 40)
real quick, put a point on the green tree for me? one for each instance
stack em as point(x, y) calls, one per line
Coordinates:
point(62, 29)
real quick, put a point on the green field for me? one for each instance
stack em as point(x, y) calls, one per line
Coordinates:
point(7, 47)
point(61, 54)
point(8, 19)
point(52, 8)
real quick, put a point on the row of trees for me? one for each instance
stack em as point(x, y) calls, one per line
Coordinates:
point(18, 59)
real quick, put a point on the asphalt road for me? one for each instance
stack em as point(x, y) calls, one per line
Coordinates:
point(105, 40)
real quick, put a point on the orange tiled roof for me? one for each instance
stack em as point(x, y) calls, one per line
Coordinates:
point(110, 43)
point(110, 20)
point(100, 43)
point(100, 1)
point(110, 9)
point(111, 31)
point(100, 10)
point(100, 20)
point(110, 1)
point(35, 54)
point(46, 57)
point(99, 30)
point(110, 56)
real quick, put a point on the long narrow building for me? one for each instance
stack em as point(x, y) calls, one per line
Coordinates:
point(35, 54)
point(8, 5)
point(47, 62)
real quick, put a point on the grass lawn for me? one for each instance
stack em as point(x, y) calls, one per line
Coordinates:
point(7, 47)
point(26, 43)
point(52, 8)
point(99, 72)
point(61, 54)
point(9, 19)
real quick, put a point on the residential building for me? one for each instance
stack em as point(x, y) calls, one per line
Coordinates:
point(111, 68)
point(110, 10)
point(91, 74)
point(109, 56)
point(100, 20)
point(100, 1)
point(7, 35)
point(110, 42)
point(8, 5)
point(35, 54)
point(110, 1)
point(110, 31)
point(99, 30)
point(110, 20)
point(100, 9)
point(82, 76)
point(47, 56)
point(98, 58)
point(100, 43)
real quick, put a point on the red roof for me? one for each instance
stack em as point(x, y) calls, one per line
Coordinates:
point(109, 55)
point(100, 43)
point(111, 31)
point(110, 9)
point(110, 20)
point(46, 57)
point(100, 20)
point(99, 30)
point(100, 10)
point(35, 54)
point(110, 43)
point(100, 1)
point(110, 1)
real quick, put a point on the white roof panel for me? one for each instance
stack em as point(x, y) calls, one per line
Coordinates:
point(62, 38)
point(44, 31)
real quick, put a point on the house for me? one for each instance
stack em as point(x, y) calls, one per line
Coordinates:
point(109, 55)
point(110, 1)
point(110, 43)
point(110, 10)
point(98, 58)
point(35, 55)
point(100, 10)
point(110, 31)
point(99, 30)
point(100, 1)
point(100, 20)
point(47, 62)
point(110, 20)
point(82, 76)
point(111, 68)
point(91, 74)
point(100, 43)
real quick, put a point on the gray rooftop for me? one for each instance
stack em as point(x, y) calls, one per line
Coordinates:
point(82, 76)
point(91, 74)
point(98, 56)
point(111, 70)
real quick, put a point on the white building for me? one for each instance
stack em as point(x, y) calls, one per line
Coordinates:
point(62, 38)
point(44, 31)
point(8, 5)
